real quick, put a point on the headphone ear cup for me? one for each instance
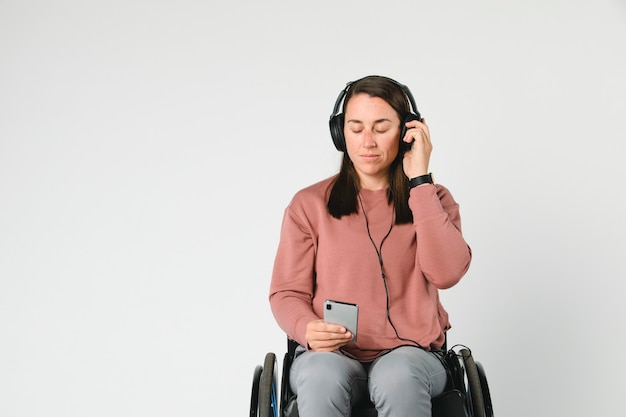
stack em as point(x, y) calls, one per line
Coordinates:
point(336, 132)
point(409, 118)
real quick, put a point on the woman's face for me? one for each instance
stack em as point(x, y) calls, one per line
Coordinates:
point(372, 130)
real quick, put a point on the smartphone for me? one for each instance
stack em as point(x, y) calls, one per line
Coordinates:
point(344, 314)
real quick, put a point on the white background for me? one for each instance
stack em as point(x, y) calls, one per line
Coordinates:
point(149, 148)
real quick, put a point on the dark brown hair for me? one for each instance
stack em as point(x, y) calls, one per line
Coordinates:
point(343, 196)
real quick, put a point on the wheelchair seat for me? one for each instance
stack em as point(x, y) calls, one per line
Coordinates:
point(466, 393)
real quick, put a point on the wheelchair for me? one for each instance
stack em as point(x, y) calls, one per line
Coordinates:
point(466, 393)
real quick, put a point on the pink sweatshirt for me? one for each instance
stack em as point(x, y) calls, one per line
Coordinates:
point(320, 257)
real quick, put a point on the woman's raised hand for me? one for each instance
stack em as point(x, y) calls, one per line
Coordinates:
point(416, 159)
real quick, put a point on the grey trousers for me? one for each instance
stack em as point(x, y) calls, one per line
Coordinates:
point(400, 383)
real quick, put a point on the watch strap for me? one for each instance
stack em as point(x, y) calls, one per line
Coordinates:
point(422, 179)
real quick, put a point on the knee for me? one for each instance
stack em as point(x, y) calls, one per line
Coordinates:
point(322, 372)
point(407, 371)
point(398, 380)
point(327, 383)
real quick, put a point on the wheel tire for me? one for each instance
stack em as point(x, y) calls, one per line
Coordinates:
point(267, 388)
point(473, 384)
point(254, 398)
point(485, 389)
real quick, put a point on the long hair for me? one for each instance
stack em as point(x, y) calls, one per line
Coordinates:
point(343, 196)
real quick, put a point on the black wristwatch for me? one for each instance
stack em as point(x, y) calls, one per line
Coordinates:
point(422, 179)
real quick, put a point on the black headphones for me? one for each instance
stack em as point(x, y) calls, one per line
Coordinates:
point(337, 119)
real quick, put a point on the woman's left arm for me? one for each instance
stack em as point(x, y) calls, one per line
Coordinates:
point(442, 253)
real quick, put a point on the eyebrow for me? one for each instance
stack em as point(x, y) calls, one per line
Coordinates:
point(375, 121)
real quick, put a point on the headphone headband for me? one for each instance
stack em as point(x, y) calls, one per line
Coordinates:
point(403, 87)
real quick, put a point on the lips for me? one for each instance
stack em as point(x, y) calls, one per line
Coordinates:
point(369, 157)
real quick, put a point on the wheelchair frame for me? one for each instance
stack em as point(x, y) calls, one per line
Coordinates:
point(466, 394)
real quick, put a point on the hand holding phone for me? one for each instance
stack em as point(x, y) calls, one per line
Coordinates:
point(344, 314)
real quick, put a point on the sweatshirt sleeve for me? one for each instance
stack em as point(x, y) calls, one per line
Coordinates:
point(292, 284)
point(442, 252)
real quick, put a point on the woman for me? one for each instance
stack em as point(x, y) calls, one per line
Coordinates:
point(380, 235)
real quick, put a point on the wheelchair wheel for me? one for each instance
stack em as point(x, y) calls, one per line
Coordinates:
point(475, 394)
point(254, 398)
point(267, 388)
point(485, 389)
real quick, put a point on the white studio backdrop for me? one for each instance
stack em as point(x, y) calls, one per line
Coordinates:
point(149, 148)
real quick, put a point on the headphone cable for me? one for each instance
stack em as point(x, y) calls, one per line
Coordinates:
point(379, 253)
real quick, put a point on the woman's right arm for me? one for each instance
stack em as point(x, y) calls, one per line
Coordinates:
point(293, 281)
point(291, 288)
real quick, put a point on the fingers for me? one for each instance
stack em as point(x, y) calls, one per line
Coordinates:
point(416, 160)
point(417, 131)
point(326, 337)
point(328, 345)
point(417, 124)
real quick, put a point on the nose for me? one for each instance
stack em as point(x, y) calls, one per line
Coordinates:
point(368, 140)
